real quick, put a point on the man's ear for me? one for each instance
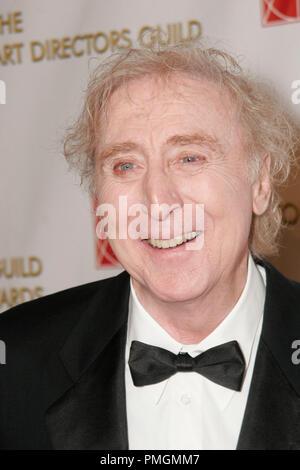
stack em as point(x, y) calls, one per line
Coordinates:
point(261, 188)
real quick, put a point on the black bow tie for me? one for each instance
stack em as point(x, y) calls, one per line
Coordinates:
point(223, 364)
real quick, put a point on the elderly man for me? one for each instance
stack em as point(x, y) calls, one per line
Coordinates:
point(191, 347)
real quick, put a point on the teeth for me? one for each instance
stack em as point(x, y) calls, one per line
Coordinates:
point(171, 243)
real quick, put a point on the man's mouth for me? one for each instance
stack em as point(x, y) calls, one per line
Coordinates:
point(172, 242)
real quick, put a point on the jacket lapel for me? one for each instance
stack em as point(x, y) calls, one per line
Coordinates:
point(271, 419)
point(88, 409)
point(87, 378)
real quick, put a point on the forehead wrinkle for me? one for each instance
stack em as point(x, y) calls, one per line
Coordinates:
point(145, 110)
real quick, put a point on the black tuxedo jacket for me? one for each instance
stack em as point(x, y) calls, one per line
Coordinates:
point(63, 384)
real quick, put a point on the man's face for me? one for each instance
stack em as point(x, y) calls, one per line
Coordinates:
point(177, 143)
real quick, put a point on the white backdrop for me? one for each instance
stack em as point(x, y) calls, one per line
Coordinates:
point(47, 225)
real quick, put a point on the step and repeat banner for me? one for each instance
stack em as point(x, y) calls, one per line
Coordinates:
point(47, 50)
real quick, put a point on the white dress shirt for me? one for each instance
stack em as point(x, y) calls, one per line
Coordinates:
point(187, 410)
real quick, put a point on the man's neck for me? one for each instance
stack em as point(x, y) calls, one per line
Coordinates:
point(190, 321)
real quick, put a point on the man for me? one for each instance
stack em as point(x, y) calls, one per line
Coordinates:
point(191, 347)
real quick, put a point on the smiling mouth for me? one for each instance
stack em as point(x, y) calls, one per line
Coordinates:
point(172, 242)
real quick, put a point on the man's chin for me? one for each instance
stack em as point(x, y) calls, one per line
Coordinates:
point(172, 290)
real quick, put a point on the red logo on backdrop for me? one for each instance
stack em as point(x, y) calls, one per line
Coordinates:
point(105, 257)
point(276, 12)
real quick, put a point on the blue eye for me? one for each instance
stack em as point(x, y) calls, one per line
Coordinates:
point(126, 166)
point(189, 159)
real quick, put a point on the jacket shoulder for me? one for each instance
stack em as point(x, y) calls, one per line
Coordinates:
point(279, 279)
point(53, 315)
point(281, 322)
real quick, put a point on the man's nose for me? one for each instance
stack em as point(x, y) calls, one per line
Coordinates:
point(161, 194)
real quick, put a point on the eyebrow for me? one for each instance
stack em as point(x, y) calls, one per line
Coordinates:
point(114, 149)
point(175, 140)
point(199, 139)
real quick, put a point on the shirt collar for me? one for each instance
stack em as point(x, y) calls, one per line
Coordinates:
point(240, 324)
